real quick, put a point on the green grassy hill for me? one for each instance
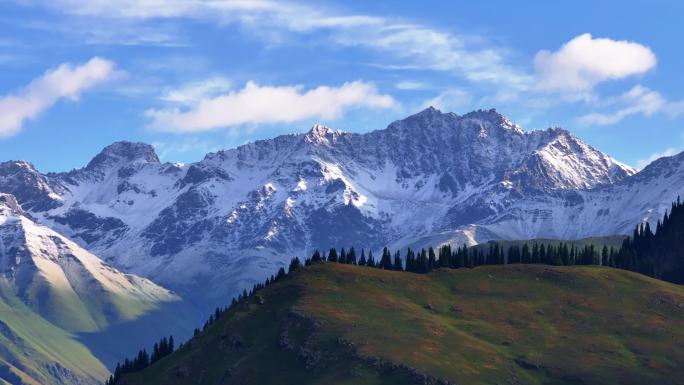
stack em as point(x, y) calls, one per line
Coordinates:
point(35, 352)
point(517, 324)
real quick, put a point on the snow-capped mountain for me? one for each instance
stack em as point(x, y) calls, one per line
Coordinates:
point(210, 228)
point(62, 286)
point(65, 283)
point(605, 210)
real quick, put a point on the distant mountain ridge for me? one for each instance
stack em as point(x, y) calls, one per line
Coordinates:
point(231, 219)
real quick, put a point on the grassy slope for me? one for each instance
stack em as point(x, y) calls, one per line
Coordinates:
point(30, 347)
point(526, 324)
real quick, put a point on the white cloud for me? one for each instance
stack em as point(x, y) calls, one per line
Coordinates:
point(255, 104)
point(638, 100)
point(641, 163)
point(450, 100)
point(194, 92)
point(410, 85)
point(584, 61)
point(63, 82)
point(413, 46)
point(187, 145)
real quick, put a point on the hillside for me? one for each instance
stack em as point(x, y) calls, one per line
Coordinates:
point(35, 352)
point(521, 324)
point(64, 313)
point(64, 283)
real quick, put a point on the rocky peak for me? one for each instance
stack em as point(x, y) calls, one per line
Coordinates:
point(9, 204)
point(433, 121)
point(33, 189)
point(663, 167)
point(424, 122)
point(18, 166)
point(320, 134)
point(490, 122)
point(123, 152)
point(490, 115)
point(429, 111)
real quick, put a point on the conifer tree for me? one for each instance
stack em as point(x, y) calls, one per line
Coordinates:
point(386, 260)
point(526, 256)
point(442, 257)
point(332, 255)
point(410, 261)
point(432, 259)
point(605, 256)
point(295, 264)
point(423, 265)
point(351, 256)
point(362, 260)
point(371, 260)
point(397, 262)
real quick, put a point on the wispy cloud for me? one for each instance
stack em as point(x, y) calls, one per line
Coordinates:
point(108, 31)
point(193, 93)
point(64, 82)
point(402, 44)
point(167, 150)
point(641, 163)
point(639, 100)
point(450, 100)
point(255, 104)
point(411, 85)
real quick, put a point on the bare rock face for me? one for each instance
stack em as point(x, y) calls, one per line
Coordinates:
point(9, 203)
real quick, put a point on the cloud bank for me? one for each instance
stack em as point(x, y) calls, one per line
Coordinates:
point(639, 100)
point(255, 104)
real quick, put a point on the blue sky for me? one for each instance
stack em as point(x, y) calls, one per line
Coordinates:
point(196, 76)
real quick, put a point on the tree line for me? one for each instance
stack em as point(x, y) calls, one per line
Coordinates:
point(166, 346)
point(493, 253)
point(659, 253)
point(160, 350)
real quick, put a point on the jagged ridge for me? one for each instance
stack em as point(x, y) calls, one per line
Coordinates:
point(232, 218)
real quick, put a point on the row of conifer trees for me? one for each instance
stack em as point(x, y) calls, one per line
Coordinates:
point(426, 260)
point(160, 350)
point(659, 253)
point(166, 346)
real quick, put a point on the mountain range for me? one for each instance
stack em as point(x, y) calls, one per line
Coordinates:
point(234, 217)
point(111, 256)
